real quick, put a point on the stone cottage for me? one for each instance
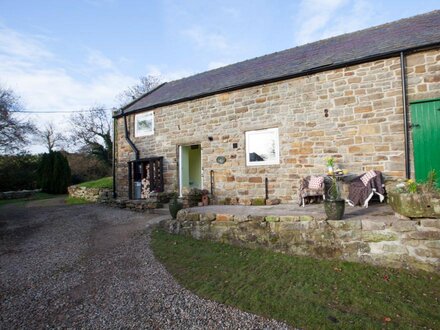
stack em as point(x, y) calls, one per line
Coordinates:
point(370, 99)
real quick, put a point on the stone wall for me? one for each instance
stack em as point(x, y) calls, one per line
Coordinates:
point(364, 129)
point(394, 243)
point(89, 194)
point(18, 194)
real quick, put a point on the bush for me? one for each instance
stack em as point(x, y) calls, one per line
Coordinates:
point(54, 173)
point(18, 172)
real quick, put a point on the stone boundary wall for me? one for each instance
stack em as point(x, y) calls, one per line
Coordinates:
point(18, 194)
point(394, 243)
point(89, 194)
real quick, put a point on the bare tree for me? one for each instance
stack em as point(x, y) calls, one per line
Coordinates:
point(145, 84)
point(91, 131)
point(50, 137)
point(14, 132)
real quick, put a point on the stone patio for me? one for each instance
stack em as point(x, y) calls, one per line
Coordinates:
point(380, 212)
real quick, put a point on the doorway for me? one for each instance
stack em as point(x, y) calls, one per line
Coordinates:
point(190, 167)
point(425, 127)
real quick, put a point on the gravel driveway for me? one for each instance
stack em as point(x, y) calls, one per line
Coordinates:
point(90, 266)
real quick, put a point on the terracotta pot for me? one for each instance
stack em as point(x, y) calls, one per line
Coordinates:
point(205, 200)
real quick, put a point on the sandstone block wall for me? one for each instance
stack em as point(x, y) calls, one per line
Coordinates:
point(364, 129)
point(397, 243)
point(89, 194)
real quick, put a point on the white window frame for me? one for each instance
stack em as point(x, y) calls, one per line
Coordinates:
point(143, 116)
point(250, 134)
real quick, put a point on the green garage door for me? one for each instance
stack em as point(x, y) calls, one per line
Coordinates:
point(425, 127)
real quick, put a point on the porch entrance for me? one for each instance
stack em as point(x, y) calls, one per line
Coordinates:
point(425, 127)
point(190, 167)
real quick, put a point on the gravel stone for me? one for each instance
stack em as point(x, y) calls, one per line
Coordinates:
point(90, 266)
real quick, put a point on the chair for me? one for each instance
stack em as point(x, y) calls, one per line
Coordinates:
point(363, 187)
point(311, 189)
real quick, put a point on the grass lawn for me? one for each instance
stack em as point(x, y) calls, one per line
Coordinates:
point(100, 183)
point(301, 291)
point(76, 201)
point(35, 197)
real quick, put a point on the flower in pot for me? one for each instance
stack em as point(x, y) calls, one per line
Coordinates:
point(334, 205)
point(330, 162)
point(175, 205)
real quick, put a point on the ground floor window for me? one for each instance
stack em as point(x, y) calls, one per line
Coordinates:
point(262, 147)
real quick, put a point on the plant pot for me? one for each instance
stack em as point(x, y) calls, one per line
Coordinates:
point(334, 209)
point(175, 206)
point(415, 205)
point(205, 200)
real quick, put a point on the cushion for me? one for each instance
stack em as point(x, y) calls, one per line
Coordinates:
point(316, 182)
point(367, 177)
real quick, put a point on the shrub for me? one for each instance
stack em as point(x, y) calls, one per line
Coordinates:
point(18, 172)
point(54, 173)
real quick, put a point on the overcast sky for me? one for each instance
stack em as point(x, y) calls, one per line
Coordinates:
point(70, 55)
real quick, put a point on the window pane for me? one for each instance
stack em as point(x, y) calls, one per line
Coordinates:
point(262, 147)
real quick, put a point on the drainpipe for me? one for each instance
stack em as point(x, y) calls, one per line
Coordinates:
point(136, 152)
point(405, 113)
point(114, 158)
point(127, 137)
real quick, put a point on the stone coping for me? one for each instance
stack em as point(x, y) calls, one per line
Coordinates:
point(382, 212)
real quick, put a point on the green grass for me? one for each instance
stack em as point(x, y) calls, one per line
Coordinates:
point(76, 201)
point(100, 183)
point(301, 291)
point(22, 201)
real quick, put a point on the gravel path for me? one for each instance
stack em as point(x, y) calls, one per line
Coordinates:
point(89, 266)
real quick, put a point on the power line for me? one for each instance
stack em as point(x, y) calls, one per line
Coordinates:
point(59, 111)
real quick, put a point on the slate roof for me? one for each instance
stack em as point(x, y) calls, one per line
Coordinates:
point(361, 46)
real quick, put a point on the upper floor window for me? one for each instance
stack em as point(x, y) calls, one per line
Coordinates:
point(262, 147)
point(144, 124)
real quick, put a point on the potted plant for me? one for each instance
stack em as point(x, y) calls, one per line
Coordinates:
point(416, 200)
point(334, 205)
point(175, 205)
point(330, 165)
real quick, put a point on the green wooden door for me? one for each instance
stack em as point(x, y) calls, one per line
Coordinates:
point(425, 127)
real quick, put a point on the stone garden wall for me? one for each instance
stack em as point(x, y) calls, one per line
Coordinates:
point(363, 129)
point(18, 194)
point(89, 194)
point(393, 242)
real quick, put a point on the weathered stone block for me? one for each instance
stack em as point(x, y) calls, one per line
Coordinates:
point(422, 235)
point(378, 236)
point(241, 218)
point(403, 225)
point(394, 248)
point(300, 225)
point(434, 223)
point(433, 244)
point(193, 217)
point(181, 215)
point(345, 224)
point(208, 217)
point(373, 225)
point(273, 201)
point(289, 218)
point(224, 217)
point(272, 218)
point(306, 218)
point(427, 253)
